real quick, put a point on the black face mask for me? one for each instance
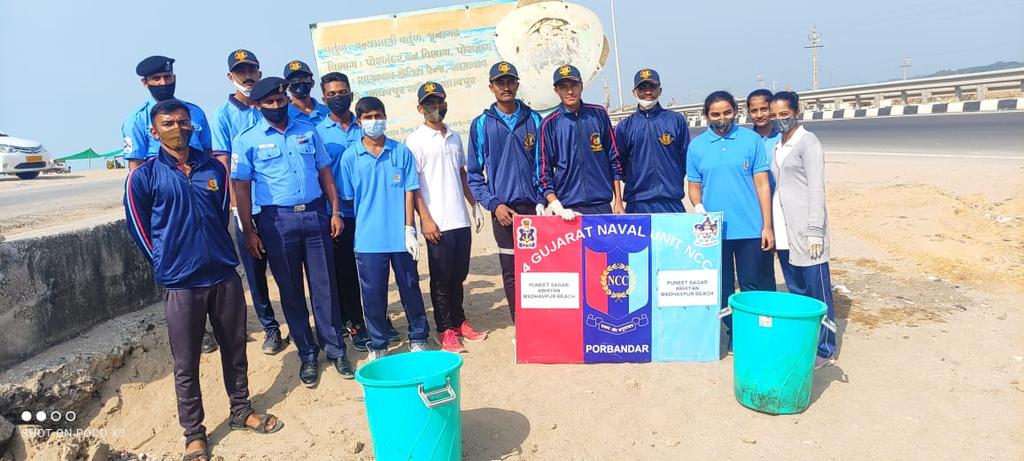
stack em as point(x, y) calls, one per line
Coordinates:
point(339, 104)
point(162, 92)
point(275, 116)
point(301, 90)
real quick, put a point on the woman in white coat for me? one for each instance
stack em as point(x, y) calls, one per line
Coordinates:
point(799, 218)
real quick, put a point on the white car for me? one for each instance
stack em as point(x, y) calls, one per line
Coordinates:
point(23, 157)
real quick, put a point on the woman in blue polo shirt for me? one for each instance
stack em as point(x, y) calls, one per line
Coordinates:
point(728, 172)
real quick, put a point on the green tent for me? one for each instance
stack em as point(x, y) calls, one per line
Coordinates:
point(87, 154)
point(90, 154)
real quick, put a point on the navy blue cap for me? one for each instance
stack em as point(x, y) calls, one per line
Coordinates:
point(268, 86)
point(296, 66)
point(241, 56)
point(154, 64)
point(428, 89)
point(646, 75)
point(567, 71)
point(503, 68)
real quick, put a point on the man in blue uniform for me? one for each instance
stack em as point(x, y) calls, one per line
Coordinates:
point(501, 163)
point(300, 84)
point(579, 172)
point(652, 143)
point(283, 164)
point(235, 115)
point(158, 77)
point(176, 210)
point(378, 175)
point(338, 131)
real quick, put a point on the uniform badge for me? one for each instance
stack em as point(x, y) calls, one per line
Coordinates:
point(234, 162)
point(526, 235)
point(746, 164)
point(211, 185)
point(564, 70)
point(503, 67)
point(706, 232)
point(646, 73)
point(665, 139)
point(529, 141)
point(295, 65)
point(127, 149)
point(241, 55)
point(595, 143)
point(397, 179)
point(429, 87)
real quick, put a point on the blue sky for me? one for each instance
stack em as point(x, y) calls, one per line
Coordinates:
point(67, 67)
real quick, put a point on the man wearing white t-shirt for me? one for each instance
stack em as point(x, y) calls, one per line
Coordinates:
point(441, 204)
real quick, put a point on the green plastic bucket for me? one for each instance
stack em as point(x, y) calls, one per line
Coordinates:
point(775, 338)
point(413, 405)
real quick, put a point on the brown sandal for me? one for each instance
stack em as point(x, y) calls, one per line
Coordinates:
point(196, 455)
point(240, 423)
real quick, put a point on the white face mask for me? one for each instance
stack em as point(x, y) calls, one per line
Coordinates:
point(241, 88)
point(647, 105)
point(374, 128)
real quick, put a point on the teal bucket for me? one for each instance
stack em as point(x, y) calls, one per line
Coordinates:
point(413, 406)
point(775, 338)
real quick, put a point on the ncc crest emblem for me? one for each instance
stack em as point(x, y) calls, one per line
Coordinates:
point(646, 73)
point(707, 232)
point(564, 71)
point(529, 141)
point(211, 185)
point(429, 87)
point(617, 288)
point(595, 142)
point(294, 65)
point(665, 139)
point(241, 55)
point(503, 67)
point(526, 235)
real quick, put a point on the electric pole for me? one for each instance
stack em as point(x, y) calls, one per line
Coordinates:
point(906, 68)
point(815, 38)
point(618, 70)
point(760, 80)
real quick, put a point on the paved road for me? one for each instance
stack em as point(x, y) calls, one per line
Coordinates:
point(971, 135)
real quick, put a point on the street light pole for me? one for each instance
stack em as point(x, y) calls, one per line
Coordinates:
point(618, 69)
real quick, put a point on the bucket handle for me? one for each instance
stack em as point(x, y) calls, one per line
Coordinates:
point(425, 396)
point(725, 311)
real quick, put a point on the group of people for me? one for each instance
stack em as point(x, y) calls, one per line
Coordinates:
point(325, 199)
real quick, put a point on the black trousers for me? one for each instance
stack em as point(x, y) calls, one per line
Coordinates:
point(187, 310)
point(504, 237)
point(347, 275)
point(448, 260)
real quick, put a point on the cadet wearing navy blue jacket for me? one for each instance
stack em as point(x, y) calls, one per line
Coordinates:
point(283, 164)
point(235, 115)
point(158, 77)
point(579, 160)
point(176, 207)
point(652, 144)
point(503, 143)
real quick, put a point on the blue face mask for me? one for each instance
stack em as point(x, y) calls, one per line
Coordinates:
point(374, 128)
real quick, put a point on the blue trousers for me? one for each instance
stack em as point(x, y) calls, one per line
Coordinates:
point(812, 281)
point(601, 208)
point(256, 278)
point(743, 261)
point(373, 283)
point(298, 242)
point(655, 206)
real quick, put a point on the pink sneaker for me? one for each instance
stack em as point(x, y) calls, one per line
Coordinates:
point(466, 331)
point(450, 342)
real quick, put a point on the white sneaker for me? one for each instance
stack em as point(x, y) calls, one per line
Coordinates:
point(375, 354)
point(418, 346)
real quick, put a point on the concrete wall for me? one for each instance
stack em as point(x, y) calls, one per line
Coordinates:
point(55, 287)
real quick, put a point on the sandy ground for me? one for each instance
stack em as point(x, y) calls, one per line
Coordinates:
point(931, 361)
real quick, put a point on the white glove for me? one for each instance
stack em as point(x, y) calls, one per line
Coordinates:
point(478, 217)
point(699, 208)
point(412, 245)
point(238, 219)
point(556, 209)
point(816, 246)
point(541, 211)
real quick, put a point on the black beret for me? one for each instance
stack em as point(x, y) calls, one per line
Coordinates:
point(266, 87)
point(154, 64)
